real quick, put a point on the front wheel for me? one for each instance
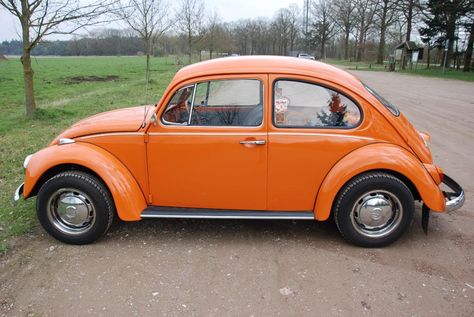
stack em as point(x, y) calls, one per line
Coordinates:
point(373, 209)
point(75, 207)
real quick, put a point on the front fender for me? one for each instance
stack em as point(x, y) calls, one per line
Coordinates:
point(380, 156)
point(128, 197)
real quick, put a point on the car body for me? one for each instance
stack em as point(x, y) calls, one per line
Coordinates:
point(246, 138)
point(305, 56)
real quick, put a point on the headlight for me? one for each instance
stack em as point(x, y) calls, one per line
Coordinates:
point(27, 160)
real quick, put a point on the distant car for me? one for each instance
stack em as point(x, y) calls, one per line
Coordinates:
point(305, 56)
point(235, 55)
point(243, 138)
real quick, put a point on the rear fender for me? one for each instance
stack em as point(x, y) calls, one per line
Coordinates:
point(128, 197)
point(380, 156)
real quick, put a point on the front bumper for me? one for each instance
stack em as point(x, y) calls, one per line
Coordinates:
point(456, 198)
point(18, 193)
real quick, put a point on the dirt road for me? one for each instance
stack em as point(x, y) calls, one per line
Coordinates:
point(263, 268)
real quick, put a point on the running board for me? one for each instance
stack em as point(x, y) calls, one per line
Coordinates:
point(195, 213)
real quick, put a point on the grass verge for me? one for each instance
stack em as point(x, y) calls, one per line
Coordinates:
point(420, 70)
point(67, 90)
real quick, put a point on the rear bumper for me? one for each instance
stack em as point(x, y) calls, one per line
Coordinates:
point(18, 193)
point(456, 198)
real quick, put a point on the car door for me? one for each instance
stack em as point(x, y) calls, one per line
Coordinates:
point(313, 125)
point(209, 146)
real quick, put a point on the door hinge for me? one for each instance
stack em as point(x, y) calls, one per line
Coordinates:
point(146, 137)
point(150, 198)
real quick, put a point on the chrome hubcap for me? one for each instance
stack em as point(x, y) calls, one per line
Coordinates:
point(71, 211)
point(376, 213)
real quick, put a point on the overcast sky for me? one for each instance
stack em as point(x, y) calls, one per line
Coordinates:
point(229, 10)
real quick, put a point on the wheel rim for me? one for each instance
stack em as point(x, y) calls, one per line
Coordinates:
point(376, 213)
point(71, 211)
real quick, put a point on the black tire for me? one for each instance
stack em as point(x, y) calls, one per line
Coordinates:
point(373, 209)
point(75, 207)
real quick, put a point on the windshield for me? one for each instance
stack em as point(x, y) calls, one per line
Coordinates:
point(393, 109)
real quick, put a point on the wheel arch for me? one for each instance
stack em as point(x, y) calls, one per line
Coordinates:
point(57, 169)
point(379, 157)
point(127, 195)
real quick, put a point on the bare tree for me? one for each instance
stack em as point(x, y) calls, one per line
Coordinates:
point(323, 27)
point(149, 19)
point(385, 17)
point(409, 9)
point(282, 28)
point(365, 14)
point(344, 18)
point(40, 18)
point(189, 16)
point(216, 36)
point(295, 26)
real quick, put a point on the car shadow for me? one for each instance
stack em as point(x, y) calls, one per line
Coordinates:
point(188, 230)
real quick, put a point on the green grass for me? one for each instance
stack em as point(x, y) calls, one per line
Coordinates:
point(438, 72)
point(356, 65)
point(60, 104)
point(421, 70)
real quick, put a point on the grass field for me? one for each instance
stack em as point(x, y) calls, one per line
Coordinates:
point(434, 71)
point(67, 89)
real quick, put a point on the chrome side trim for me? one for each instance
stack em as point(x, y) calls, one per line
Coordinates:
point(193, 213)
point(336, 135)
point(66, 141)
point(18, 193)
point(110, 134)
point(250, 133)
point(224, 133)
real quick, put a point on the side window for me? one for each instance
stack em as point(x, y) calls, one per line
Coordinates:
point(179, 108)
point(236, 102)
point(305, 105)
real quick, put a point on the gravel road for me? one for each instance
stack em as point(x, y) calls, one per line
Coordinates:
point(269, 268)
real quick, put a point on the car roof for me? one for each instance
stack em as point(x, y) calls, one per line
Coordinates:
point(268, 64)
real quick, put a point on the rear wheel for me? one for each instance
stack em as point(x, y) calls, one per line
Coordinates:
point(75, 207)
point(373, 209)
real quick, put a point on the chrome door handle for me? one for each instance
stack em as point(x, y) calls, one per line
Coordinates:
point(256, 142)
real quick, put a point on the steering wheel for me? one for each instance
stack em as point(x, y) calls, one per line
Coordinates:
point(296, 118)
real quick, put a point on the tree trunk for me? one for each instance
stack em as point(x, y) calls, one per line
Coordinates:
point(450, 36)
point(381, 51)
point(428, 57)
point(468, 54)
point(29, 86)
point(361, 40)
point(409, 19)
point(147, 67)
point(148, 54)
point(26, 61)
point(190, 46)
point(383, 28)
point(346, 44)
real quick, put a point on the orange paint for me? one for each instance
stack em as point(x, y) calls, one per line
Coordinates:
point(293, 169)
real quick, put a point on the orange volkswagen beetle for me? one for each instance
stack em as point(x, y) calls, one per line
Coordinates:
point(243, 138)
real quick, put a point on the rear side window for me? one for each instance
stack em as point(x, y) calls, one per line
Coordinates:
point(306, 105)
point(393, 109)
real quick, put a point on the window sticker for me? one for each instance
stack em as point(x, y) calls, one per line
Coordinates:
point(281, 105)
